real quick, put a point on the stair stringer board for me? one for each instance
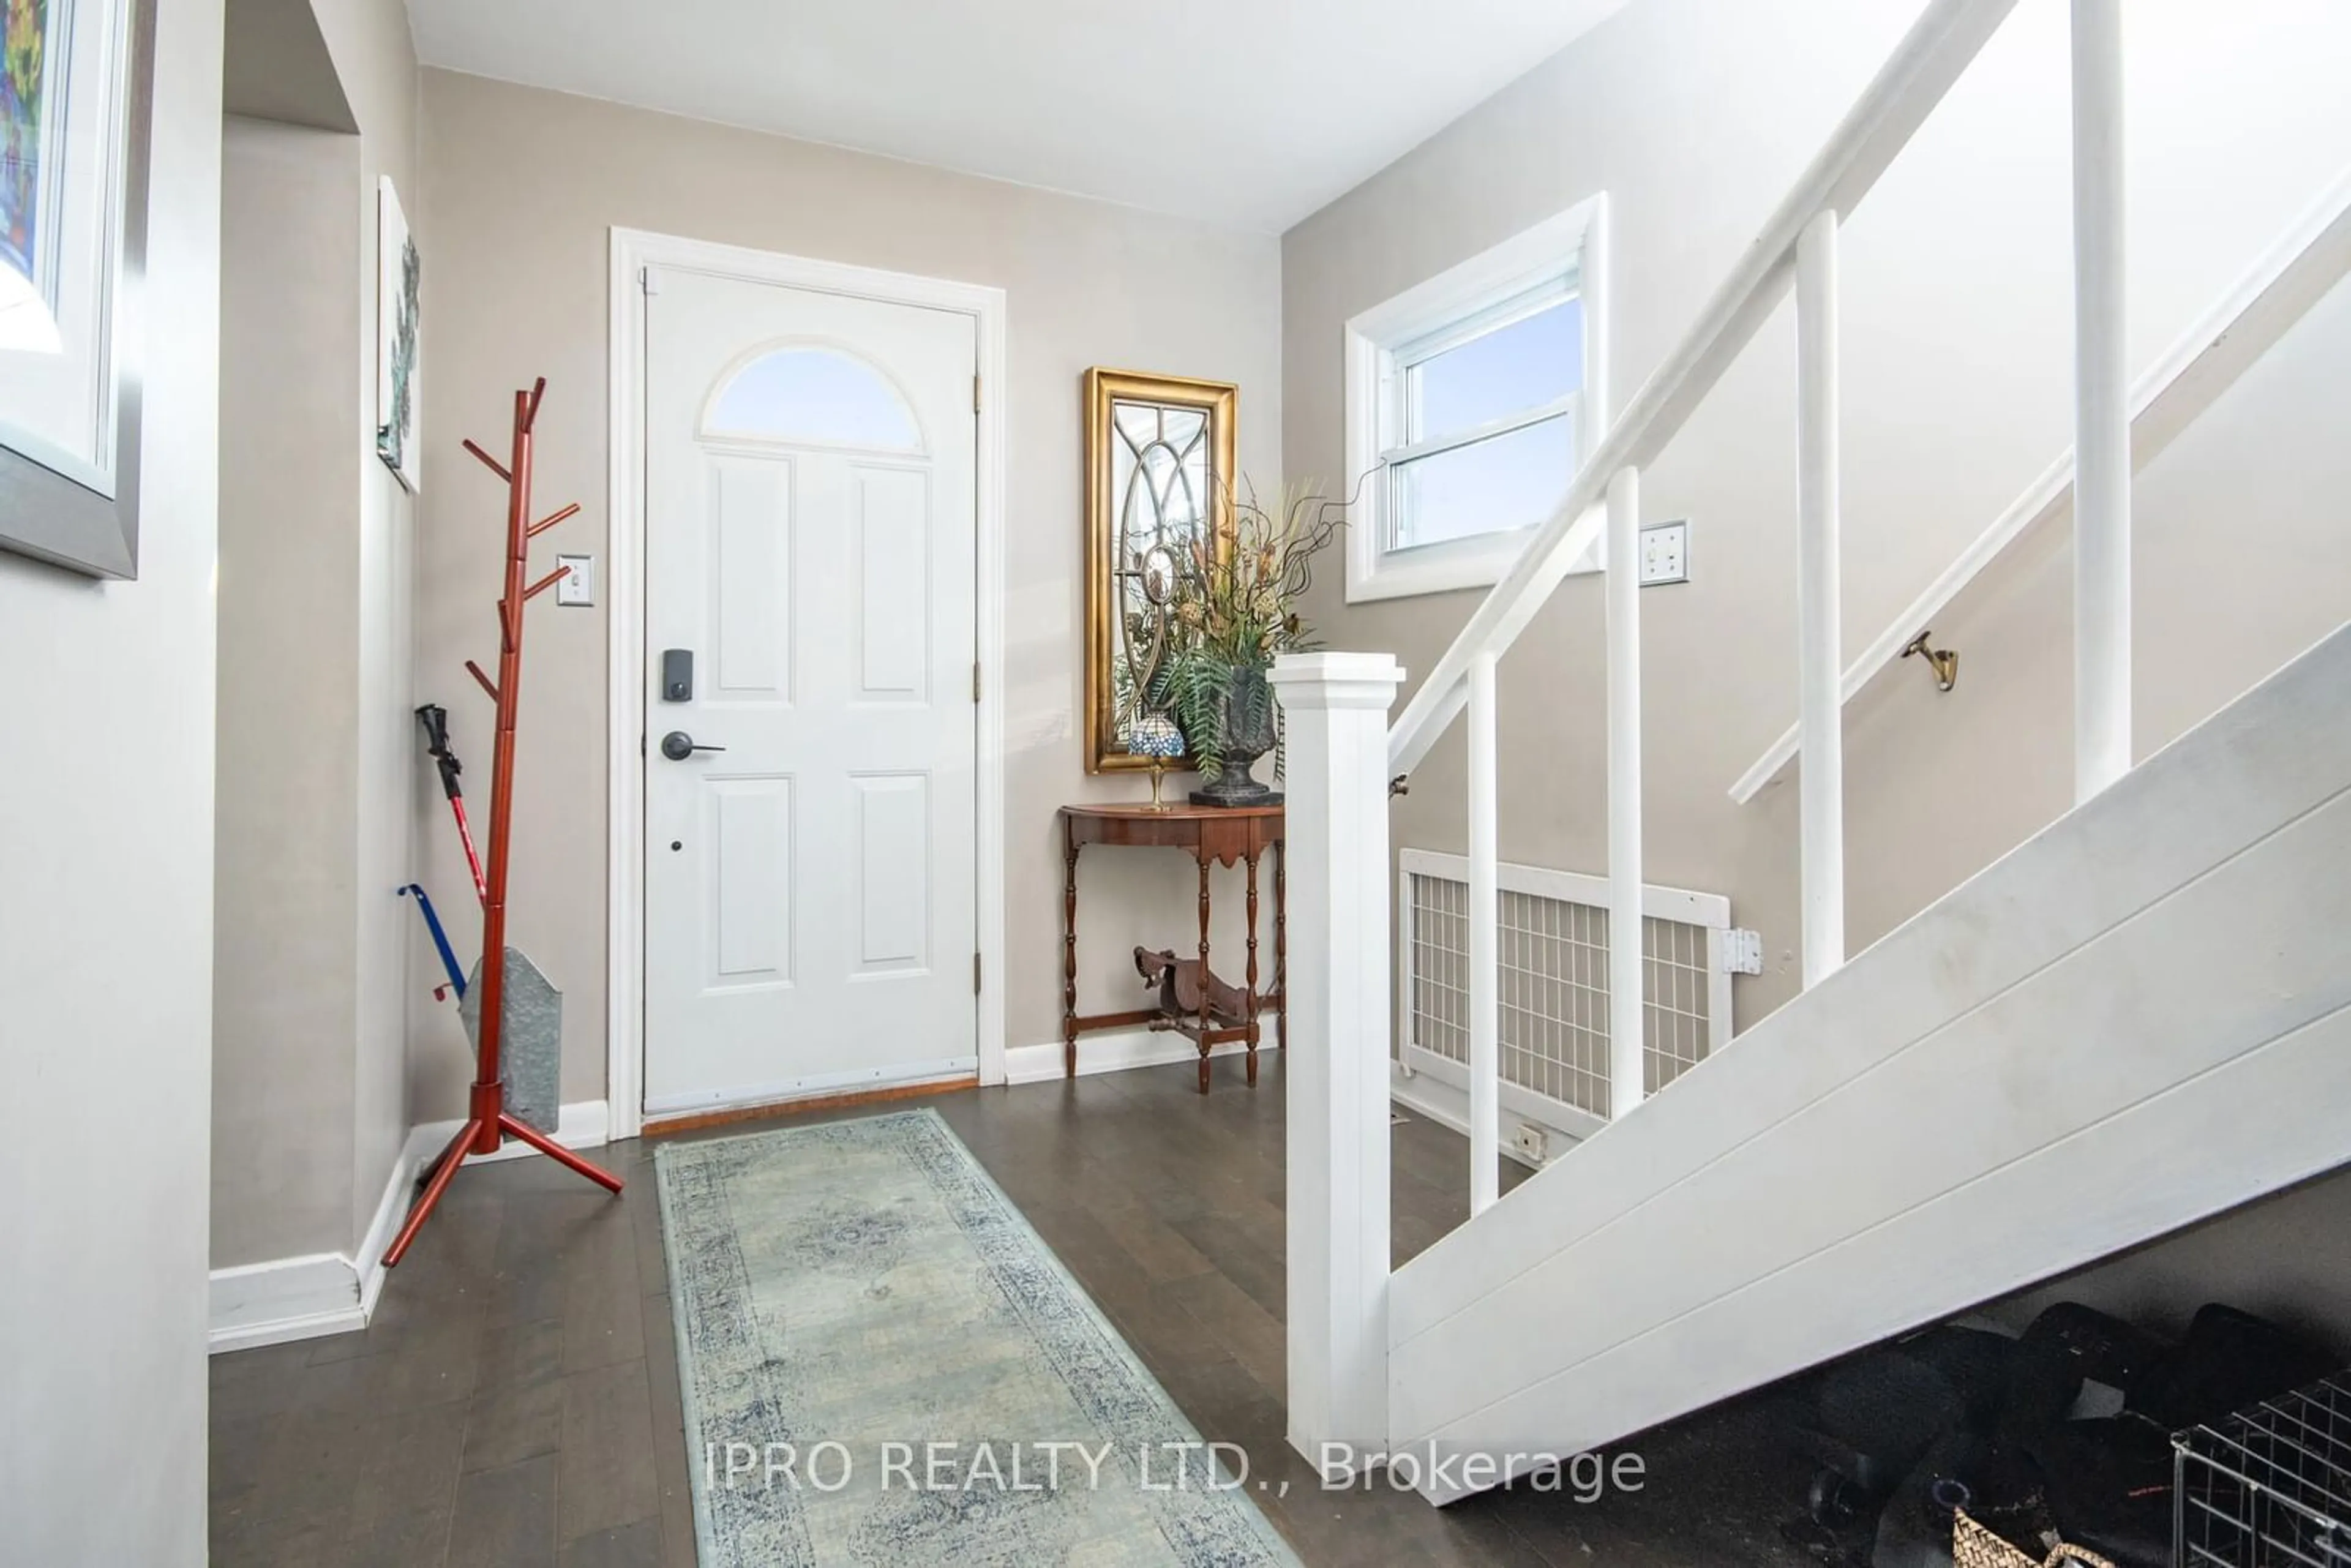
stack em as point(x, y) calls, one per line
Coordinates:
point(2132, 1021)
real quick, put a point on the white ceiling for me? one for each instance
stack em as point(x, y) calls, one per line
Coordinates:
point(1250, 112)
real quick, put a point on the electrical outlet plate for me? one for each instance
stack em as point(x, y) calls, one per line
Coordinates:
point(1665, 553)
point(579, 584)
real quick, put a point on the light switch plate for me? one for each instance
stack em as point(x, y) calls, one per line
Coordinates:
point(1665, 553)
point(579, 584)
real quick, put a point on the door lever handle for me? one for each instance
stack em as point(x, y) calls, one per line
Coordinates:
point(678, 745)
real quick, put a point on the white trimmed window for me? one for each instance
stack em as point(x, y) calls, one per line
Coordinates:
point(1471, 400)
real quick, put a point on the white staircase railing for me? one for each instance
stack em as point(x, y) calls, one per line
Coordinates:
point(1338, 1250)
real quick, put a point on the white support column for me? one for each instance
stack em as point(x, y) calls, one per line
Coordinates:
point(1335, 708)
point(1485, 950)
point(2102, 467)
point(1821, 658)
point(1627, 999)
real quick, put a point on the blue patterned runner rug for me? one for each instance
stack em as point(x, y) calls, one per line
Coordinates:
point(884, 1364)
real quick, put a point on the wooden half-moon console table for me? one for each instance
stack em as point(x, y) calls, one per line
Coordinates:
point(1209, 834)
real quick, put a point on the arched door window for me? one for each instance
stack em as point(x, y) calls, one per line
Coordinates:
point(812, 395)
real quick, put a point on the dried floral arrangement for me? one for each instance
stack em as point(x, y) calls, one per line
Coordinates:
point(1233, 612)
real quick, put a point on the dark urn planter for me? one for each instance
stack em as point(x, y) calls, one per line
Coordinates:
point(1246, 731)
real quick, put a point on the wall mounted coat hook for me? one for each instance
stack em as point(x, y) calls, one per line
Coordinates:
point(1944, 661)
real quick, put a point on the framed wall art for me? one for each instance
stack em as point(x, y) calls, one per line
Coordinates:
point(1159, 456)
point(397, 341)
point(76, 91)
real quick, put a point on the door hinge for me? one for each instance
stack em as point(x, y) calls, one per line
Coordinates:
point(1743, 952)
point(645, 281)
point(974, 680)
point(975, 974)
point(975, 394)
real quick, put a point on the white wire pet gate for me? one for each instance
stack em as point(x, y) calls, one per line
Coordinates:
point(2270, 1486)
point(1552, 943)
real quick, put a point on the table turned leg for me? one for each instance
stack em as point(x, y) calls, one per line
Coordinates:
point(1069, 950)
point(1250, 989)
point(1205, 862)
point(1281, 943)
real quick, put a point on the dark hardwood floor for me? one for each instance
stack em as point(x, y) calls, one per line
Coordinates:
point(516, 1401)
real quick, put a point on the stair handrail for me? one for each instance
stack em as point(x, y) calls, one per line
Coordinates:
point(1940, 47)
point(2276, 290)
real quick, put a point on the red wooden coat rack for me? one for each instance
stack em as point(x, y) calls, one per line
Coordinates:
point(487, 1123)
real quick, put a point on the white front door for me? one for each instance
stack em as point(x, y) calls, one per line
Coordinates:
point(809, 541)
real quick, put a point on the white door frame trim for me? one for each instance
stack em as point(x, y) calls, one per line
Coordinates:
point(633, 251)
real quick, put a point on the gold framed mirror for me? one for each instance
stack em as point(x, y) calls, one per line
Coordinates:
point(1159, 454)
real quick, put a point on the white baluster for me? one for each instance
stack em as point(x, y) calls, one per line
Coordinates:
point(1485, 950)
point(1626, 1001)
point(1820, 659)
point(2102, 469)
point(1335, 710)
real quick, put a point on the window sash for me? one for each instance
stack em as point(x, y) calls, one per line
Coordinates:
point(1399, 416)
point(1556, 289)
point(1562, 257)
point(1397, 518)
point(1469, 435)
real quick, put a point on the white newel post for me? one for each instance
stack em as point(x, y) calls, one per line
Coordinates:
point(1335, 717)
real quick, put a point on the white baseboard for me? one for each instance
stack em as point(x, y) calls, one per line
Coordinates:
point(391, 1209)
point(284, 1298)
point(321, 1294)
point(1113, 1053)
point(582, 1125)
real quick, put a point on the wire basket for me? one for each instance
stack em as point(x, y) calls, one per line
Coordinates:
point(1975, 1546)
point(2270, 1486)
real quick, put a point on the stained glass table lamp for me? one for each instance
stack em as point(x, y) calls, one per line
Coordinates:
point(1154, 735)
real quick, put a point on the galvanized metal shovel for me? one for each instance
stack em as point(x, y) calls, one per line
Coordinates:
point(530, 1039)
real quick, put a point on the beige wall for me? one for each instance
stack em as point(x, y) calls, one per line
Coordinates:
point(285, 937)
point(370, 42)
point(279, 67)
point(316, 565)
point(522, 188)
point(1695, 116)
point(106, 912)
point(2241, 562)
